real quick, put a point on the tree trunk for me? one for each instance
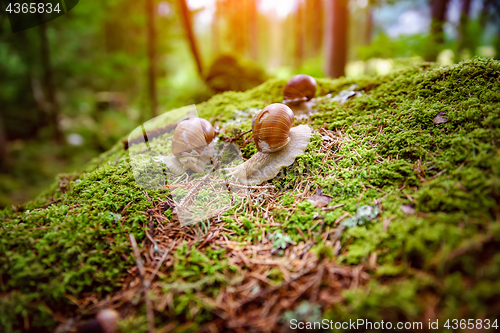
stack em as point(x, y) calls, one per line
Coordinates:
point(336, 34)
point(238, 18)
point(50, 88)
point(151, 37)
point(438, 13)
point(254, 29)
point(491, 12)
point(3, 145)
point(485, 12)
point(369, 25)
point(496, 41)
point(186, 20)
point(462, 28)
point(368, 35)
point(313, 28)
point(299, 35)
point(215, 30)
point(317, 26)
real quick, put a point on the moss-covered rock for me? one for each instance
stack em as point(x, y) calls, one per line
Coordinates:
point(431, 253)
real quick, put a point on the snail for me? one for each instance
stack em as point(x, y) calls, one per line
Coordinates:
point(193, 146)
point(298, 93)
point(106, 321)
point(278, 144)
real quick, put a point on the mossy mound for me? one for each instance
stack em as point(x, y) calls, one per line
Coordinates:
point(228, 73)
point(431, 253)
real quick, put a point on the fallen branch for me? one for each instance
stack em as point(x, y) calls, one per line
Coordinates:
point(332, 208)
point(145, 284)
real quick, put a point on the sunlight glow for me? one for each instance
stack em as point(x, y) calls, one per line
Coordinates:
point(205, 16)
point(277, 8)
point(282, 8)
point(195, 4)
point(164, 8)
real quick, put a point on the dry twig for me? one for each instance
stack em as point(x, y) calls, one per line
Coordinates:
point(145, 284)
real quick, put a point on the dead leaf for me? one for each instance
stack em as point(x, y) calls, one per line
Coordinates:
point(440, 118)
point(407, 209)
point(372, 260)
point(387, 222)
point(319, 200)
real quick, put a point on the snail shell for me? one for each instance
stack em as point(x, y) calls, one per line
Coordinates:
point(278, 145)
point(300, 88)
point(192, 134)
point(193, 146)
point(271, 127)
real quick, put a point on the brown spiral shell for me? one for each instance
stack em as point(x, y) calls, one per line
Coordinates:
point(192, 134)
point(271, 127)
point(299, 88)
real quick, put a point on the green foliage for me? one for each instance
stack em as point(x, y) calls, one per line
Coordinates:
point(403, 46)
point(97, 48)
point(71, 242)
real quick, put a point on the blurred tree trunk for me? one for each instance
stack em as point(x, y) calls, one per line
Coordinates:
point(238, 20)
point(462, 29)
point(151, 38)
point(497, 41)
point(3, 145)
point(337, 19)
point(438, 13)
point(369, 25)
point(245, 28)
point(233, 19)
point(485, 13)
point(312, 20)
point(188, 27)
point(299, 35)
point(50, 88)
point(368, 35)
point(215, 29)
point(315, 16)
point(491, 12)
point(253, 31)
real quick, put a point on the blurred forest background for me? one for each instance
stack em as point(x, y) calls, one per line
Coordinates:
point(71, 88)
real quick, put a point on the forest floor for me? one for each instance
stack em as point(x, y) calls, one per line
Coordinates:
point(410, 174)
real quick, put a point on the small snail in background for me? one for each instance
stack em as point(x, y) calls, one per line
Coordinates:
point(298, 93)
point(278, 143)
point(193, 146)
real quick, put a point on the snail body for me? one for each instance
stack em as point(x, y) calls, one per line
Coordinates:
point(193, 146)
point(298, 94)
point(278, 144)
